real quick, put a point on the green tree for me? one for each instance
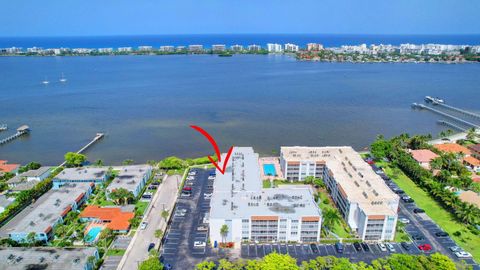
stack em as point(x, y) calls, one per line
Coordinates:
point(121, 196)
point(74, 159)
point(331, 217)
point(105, 236)
point(151, 263)
point(31, 238)
point(98, 162)
point(165, 214)
point(471, 134)
point(224, 232)
point(380, 148)
point(127, 162)
point(172, 163)
point(158, 233)
point(205, 265)
point(275, 261)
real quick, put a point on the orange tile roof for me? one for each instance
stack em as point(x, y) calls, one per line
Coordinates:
point(113, 217)
point(472, 161)
point(476, 178)
point(4, 167)
point(453, 148)
point(470, 197)
point(423, 155)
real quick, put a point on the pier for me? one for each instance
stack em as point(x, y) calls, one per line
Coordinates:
point(455, 109)
point(448, 124)
point(3, 127)
point(20, 131)
point(464, 122)
point(96, 139)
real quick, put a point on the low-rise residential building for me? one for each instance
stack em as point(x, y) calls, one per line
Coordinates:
point(475, 150)
point(125, 49)
point(81, 175)
point(423, 157)
point(48, 258)
point(46, 212)
point(145, 48)
point(5, 167)
point(132, 178)
point(252, 213)
point(453, 148)
point(470, 197)
point(195, 48)
point(167, 48)
point(314, 47)
point(236, 48)
point(366, 203)
point(472, 163)
point(113, 218)
point(28, 179)
point(254, 48)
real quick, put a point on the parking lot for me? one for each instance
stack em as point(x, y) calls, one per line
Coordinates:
point(182, 233)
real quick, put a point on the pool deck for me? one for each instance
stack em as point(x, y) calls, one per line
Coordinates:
point(276, 163)
point(92, 225)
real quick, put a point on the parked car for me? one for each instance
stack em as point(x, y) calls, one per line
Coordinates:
point(425, 247)
point(150, 246)
point(398, 191)
point(404, 220)
point(187, 188)
point(179, 214)
point(190, 178)
point(167, 266)
point(390, 247)
point(407, 199)
point(202, 228)
point(441, 234)
point(211, 177)
point(405, 245)
point(199, 244)
point(463, 254)
point(192, 173)
point(143, 225)
point(186, 194)
point(339, 247)
point(417, 237)
point(365, 246)
point(357, 246)
point(382, 247)
point(314, 248)
point(418, 210)
point(147, 195)
point(455, 248)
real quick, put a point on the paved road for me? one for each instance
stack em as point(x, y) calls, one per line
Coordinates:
point(164, 199)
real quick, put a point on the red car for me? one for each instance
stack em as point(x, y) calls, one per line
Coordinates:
point(187, 188)
point(425, 247)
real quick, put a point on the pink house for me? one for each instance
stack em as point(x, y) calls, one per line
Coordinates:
point(423, 157)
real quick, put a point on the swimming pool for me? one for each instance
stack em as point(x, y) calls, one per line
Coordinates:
point(92, 234)
point(269, 169)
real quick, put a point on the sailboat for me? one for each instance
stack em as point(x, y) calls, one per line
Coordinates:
point(45, 81)
point(63, 79)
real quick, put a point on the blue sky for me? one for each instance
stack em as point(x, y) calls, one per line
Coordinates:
point(122, 17)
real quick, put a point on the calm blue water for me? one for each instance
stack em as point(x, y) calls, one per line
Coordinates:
point(145, 104)
point(269, 169)
point(245, 39)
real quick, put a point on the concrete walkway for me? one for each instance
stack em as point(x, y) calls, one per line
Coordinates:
point(164, 198)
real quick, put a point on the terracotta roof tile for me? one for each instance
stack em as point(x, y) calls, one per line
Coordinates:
point(114, 218)
point(423, 155)
point(453, 148)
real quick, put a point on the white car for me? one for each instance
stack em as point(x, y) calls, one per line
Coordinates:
point(211, 177)
point(390, 247)
point(463, 254)
point(199, 244)
point(382, 247)
point(455, 248)
point(143, 225)
point(202, 228)
point(190, 178)
point(192, 173)
point(404, 220)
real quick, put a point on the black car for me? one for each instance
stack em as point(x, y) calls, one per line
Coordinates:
point(418, 210)
point(314, 248)
point(407, 199)
point(357, 246)
point(150, 246)
point(399, 191)
point(161, 259)
point(339, 247)
point(417, 237)
point(365, 246)
point(405, 245)
point(441, 234)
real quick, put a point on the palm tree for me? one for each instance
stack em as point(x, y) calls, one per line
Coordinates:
point(165, 215)
point(224, 232)
point(331, 217)
point(471, 134)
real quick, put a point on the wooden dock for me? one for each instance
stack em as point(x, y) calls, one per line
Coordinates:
point(20, 131)
point(452, 125)
point(454, 118)
point(94, 140)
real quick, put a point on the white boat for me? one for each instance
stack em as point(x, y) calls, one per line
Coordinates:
point(45, 82)
point(63, 79)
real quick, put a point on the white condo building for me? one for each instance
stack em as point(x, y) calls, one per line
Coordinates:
point(253, 213)
point(274, 48)
point(367, 204)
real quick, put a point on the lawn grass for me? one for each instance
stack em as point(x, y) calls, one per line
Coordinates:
point(115, 252)
point(401, 235)
point(340, 229)
point(267, 184)
point(467, 240)
point(141, 206)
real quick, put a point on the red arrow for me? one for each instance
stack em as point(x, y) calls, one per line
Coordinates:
point(217, 150)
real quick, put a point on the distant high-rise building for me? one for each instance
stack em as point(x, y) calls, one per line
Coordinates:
point(291, 47)
point(254, 48)
point(274, 48)
point(167, 48)
point(145, 48)
point(218, 47)
point(314, 47)
point(125, 49)
point(195, 48)
point(236, 48)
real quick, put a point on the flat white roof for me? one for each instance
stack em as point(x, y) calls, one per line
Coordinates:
point(82, 173)
point(129, 177)
point(356, 179)
point(239, 194)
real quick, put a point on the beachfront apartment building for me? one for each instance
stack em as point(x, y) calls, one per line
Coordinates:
point(254, 48)
point(236, 48)
point(81, 175)
point(291, 47)
point(195, 48)
point(219, 47)
point(46, 212)
point(132, 178)
point(167, 48)
point(274, 48)
point(366, 203)
point(253, 213)
point(28, 179)
point(314, 47)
